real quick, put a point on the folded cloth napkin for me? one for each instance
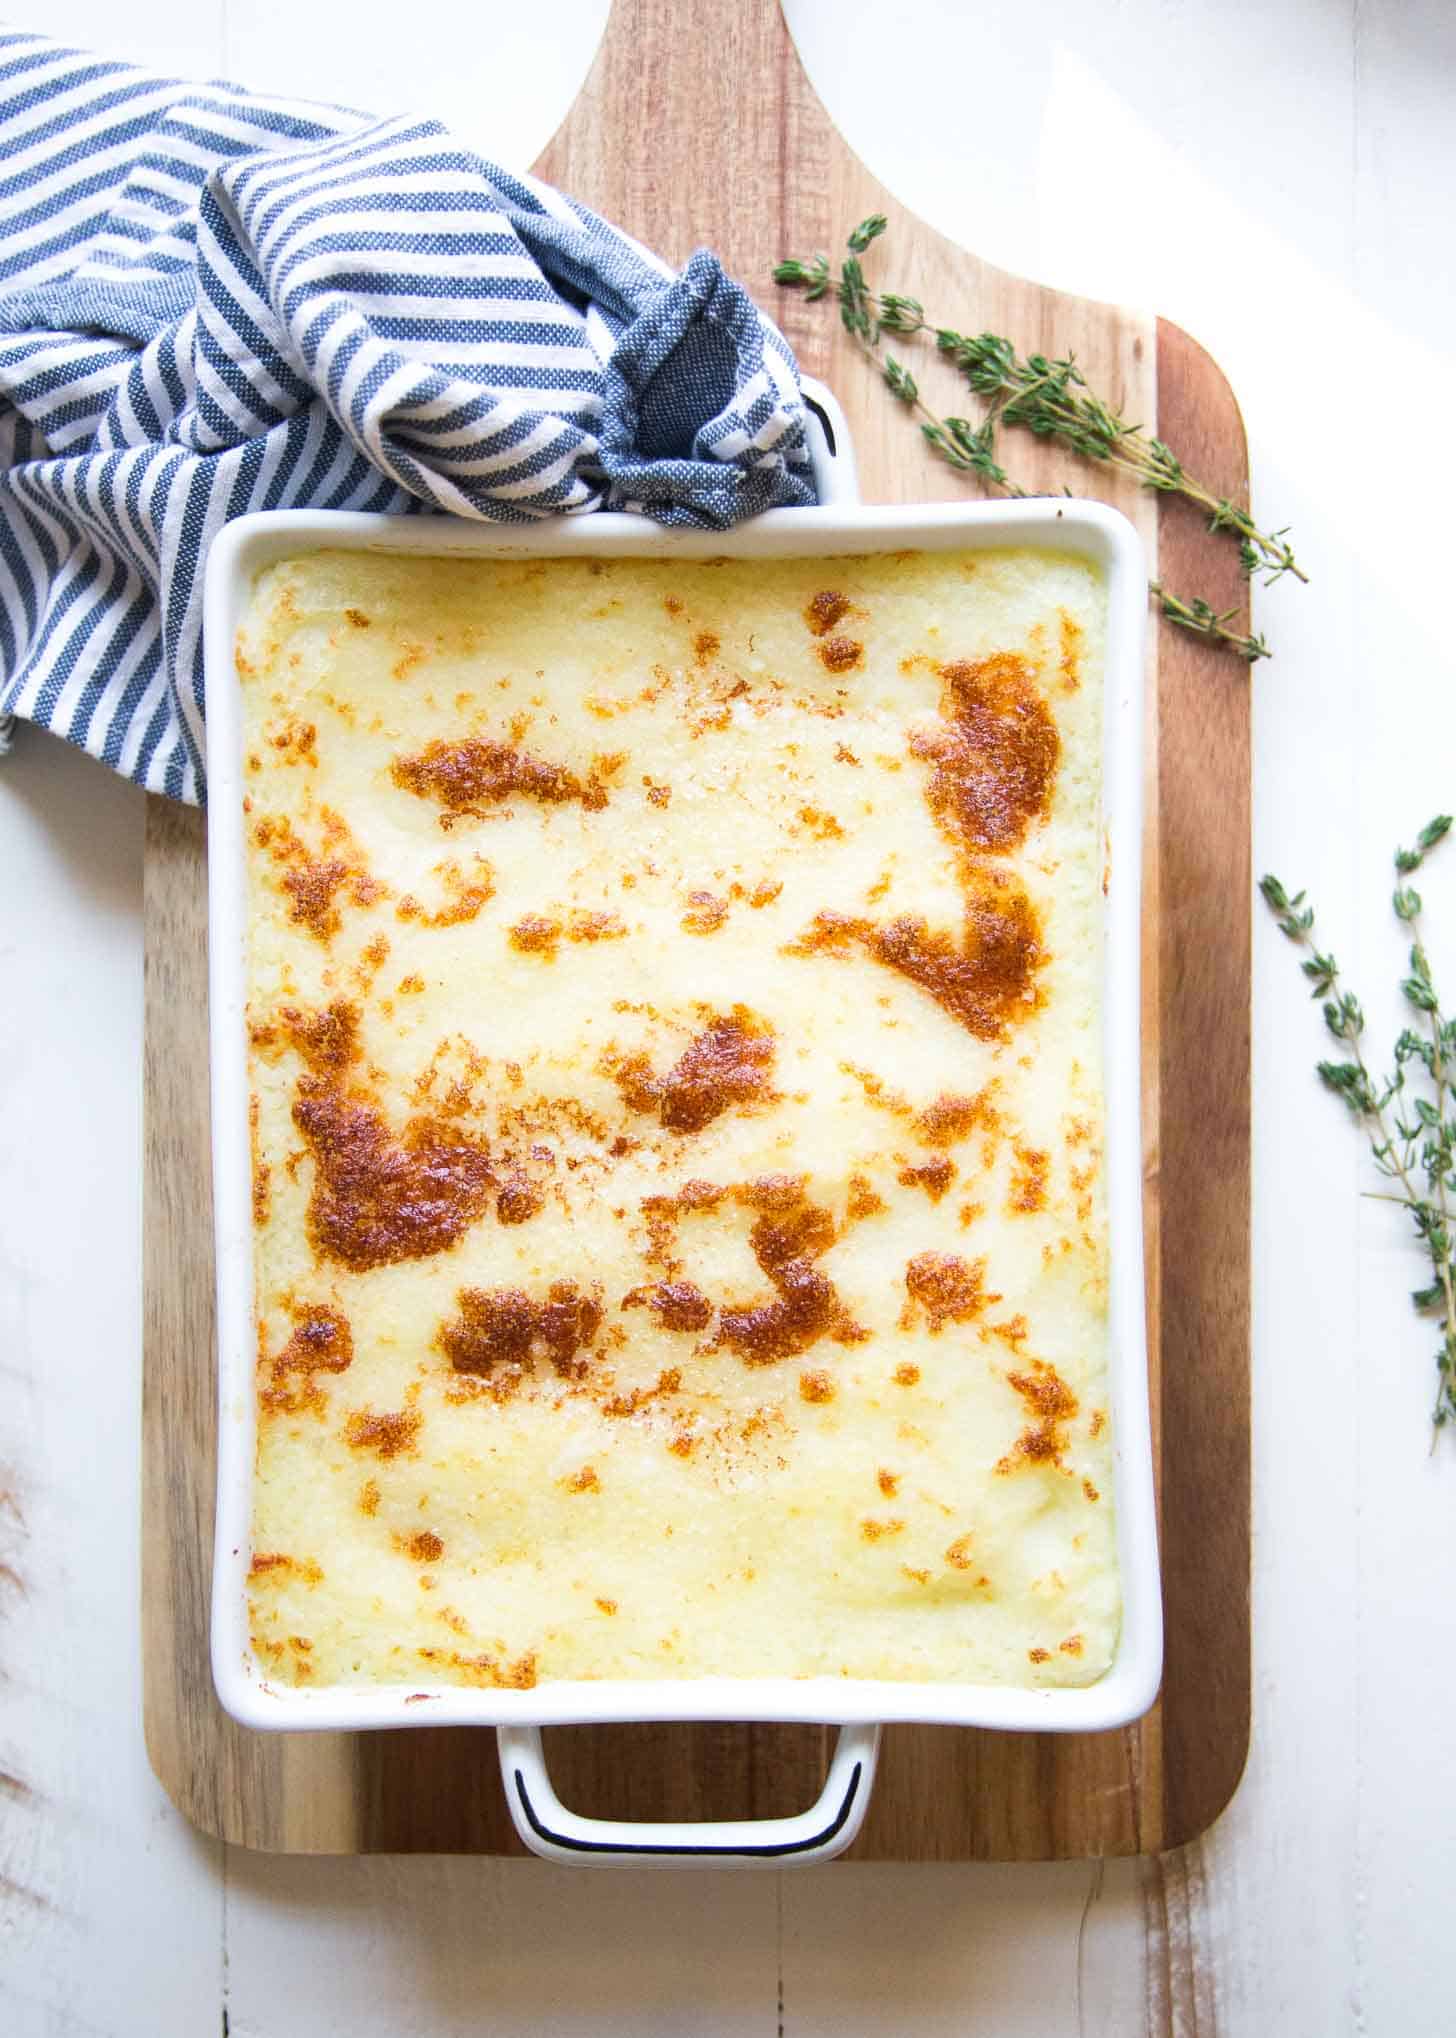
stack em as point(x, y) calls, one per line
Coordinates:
point(213, 302)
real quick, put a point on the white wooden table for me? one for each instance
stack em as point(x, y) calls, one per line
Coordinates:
point(1278, 179)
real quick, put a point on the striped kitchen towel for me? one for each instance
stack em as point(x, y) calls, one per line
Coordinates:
point(213, 302)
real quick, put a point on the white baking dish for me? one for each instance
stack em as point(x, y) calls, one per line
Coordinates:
point(840, 525)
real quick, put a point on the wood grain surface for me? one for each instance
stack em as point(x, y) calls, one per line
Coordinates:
point(698, 127)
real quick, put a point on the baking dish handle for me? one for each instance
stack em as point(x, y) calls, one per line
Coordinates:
point(818, 1834)
point(836, 477)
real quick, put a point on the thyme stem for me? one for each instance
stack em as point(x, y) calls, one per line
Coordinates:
point(1438, 1058)
point(1204, 621)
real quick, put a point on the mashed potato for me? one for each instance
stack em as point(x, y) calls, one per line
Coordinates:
point(677, 1119)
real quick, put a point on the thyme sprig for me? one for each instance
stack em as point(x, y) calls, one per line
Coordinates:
point(1412, 1132)
point(971, 449)
point(1205, 621)
point(1050, 399)
point(960, 444)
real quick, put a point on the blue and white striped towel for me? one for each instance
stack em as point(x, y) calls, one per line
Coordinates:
point(212, 302)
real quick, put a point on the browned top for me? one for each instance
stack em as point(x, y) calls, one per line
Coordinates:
point(986, 979)
point(499, 1333)
point(388, 1433)
point(827, 608)
point(378, 1197)
point(321, 1342)
point(841, 654)
point(995, 753)
point(678, 1305)
point(728, 1064)
point(947, 1288)
point(466, 892)
point(933, 1175)
point(467, 776)
point(1051, 1406)
point(316, 881)
point(950, 1118)
point(789, 1234)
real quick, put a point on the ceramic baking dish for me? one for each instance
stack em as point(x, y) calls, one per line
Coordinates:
point(841, 524)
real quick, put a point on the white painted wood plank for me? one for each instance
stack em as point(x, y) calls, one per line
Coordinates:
point(1405, 63)
point(110, 1908)
point(1019, 1952)
point(501, 76)
point(421, 1947)
point(182, 42)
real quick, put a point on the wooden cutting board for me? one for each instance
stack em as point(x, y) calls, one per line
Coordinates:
point(697, 126)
